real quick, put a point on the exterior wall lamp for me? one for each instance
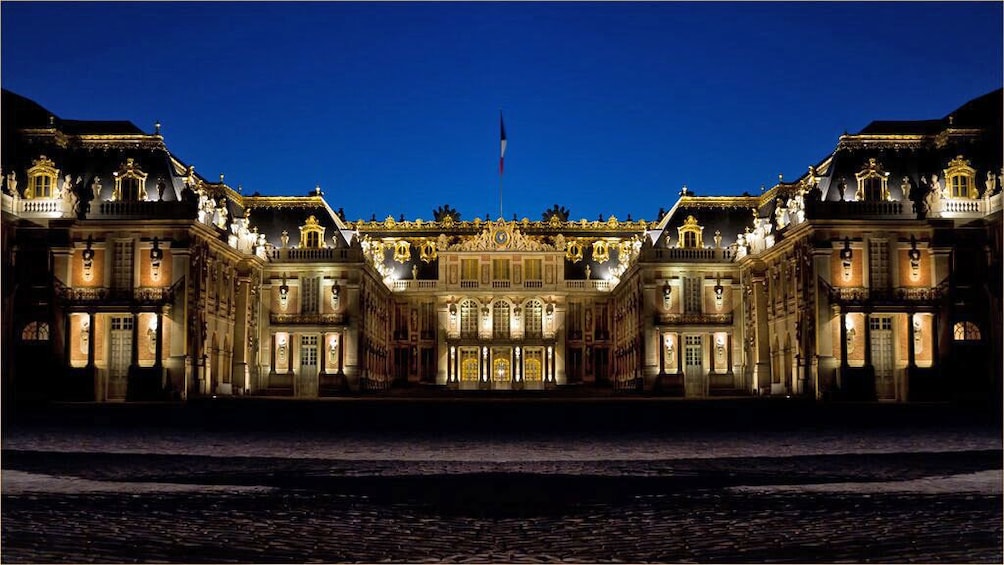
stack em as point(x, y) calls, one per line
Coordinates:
point(156, 256)
point(846, 254)
point(283, 293)
point(914, 255)
point(88, 258)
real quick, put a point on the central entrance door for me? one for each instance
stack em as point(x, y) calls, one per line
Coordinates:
point(693, 369)
point(307, 381)
point(881, 344)
point(120, 354)
point(470, 372)
point(501, 373)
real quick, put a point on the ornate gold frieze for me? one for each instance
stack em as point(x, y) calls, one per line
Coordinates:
point(280, 201)
point(499, 236)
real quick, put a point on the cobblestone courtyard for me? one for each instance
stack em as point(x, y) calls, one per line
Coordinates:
point(105, 494)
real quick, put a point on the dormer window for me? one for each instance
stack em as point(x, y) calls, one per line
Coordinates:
point(311, 234)
point(873, 182)
point(691, 234)
point(130, 182)
point(42, 178)
point(960, 179)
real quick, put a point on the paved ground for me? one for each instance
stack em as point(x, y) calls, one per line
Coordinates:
point(901, 492)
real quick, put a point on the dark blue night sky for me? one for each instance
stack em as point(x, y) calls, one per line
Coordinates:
point(609, 108)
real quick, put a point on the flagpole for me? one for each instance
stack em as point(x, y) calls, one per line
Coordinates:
point(502, 143)
point(500, 195)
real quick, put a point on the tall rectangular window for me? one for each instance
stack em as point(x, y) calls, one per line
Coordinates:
point(310, 288)
point(500, 269)
point(575, 320)
point(692, 295)
point(532, 270)
point(122, 266)
point(428, 320)
point(878, 263)
point(469, 270)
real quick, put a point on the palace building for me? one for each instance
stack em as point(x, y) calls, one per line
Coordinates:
point(129, 276)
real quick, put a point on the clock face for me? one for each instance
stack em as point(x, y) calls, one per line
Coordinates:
point(501, 238)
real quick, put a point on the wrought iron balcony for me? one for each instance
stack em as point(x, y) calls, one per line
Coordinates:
point(306, 319)
point(98, 296)
point(695, 318)
point(861, 296)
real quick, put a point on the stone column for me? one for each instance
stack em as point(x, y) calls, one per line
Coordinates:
point(761, 351)
point(679, 353)
point(910, 347)
point(728, 352)
point(843, 340)
point(239, 366)
point(159, 346)
point(935, 338)
point(135, 339)
point(67, 330)
point(868, 339)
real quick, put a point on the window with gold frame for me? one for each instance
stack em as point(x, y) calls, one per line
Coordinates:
point(130, 182)
point(960, 179)
point(42, 178)
point(690, 233)
point(312, 233)
point(873, 182)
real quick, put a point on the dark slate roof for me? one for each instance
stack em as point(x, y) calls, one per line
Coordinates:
point(98, 127)
point(917, 127)
point(271, 219)
point(977, 113)
point(727, 215)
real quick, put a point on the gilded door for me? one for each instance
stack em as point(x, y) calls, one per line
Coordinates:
point(533, 366)
point(469, 366)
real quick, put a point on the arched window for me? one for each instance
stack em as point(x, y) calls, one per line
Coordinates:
point(533, 319)
point(960, 179)
point(966, 331)
point(690, 239)
point(41, 178)
point(500, 319)
point(35, 331)
point(468, 319)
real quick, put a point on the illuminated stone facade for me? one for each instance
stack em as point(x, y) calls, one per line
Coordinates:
point(875, 275)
